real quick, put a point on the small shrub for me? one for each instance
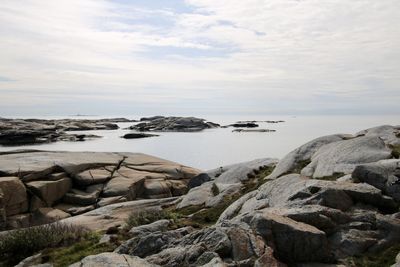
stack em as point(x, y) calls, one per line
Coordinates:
point(137, 218)
point(395, 151)
point(215, 189)
point(88, 245)
point(19, 244)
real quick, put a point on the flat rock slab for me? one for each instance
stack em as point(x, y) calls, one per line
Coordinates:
point(116, 214)
point(34, 165)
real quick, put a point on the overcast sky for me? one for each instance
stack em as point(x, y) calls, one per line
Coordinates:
point(60, 57)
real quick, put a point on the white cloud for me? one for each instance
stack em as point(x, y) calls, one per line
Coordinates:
point(297, 52)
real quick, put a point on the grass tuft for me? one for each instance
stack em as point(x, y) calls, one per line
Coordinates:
point(395, 151)
point(215, 189)
point(88, 245)
point(138, 218)
point(19, 244)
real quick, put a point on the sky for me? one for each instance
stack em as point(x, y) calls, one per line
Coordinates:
point(60, 57)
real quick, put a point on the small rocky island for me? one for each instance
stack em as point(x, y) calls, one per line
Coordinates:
point(173, 124)
point(333, 201)
point(36, 131)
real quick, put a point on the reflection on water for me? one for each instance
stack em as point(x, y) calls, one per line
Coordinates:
point(216, 147)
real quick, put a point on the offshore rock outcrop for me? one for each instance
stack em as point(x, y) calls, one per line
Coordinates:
point(32, 131)
point(173, 124)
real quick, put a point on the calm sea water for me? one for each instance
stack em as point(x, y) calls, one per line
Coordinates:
point(216, 147)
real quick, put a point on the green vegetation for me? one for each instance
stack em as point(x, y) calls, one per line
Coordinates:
point(395, 151)
point(383, 258)
point(258, 179)
point(332, 177)
point(148, 216)
point(19, 244)
point(88, 245)
point(299, 166)
point(215, 189)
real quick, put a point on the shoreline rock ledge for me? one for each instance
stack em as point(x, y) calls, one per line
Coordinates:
point(42, 187)
point(333, 201)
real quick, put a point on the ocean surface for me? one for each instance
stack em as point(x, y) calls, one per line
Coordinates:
point(217, 147)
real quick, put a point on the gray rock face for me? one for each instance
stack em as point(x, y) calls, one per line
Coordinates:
point(295, 160)
point(227, 179)
point(344, 156)
point(109, 259)
point(149, 243)
point(294, 241)
point(384, 174)
point(238, 173)
point(158, 226)
point(349, 213)
point(236, 243)
point(197, 196)
point(388, 133)
point(173, 124)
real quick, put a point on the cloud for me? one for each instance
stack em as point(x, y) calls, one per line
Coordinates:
point(225, 56)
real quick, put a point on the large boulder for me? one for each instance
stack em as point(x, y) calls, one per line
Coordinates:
point(50, 191)
point(79, 197)
point(344, 156)
point(239, 173)
point(131, 188)
point(389, 134)
point(293, 241)
point(197, 196)
point(298, 158)
point(384, 174)
point(14, 195)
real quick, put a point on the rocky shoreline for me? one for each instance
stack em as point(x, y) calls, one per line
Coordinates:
point(333, 201)
point(17, 132)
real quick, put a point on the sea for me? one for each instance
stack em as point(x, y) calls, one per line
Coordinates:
point(213, 148)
